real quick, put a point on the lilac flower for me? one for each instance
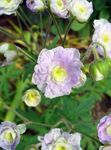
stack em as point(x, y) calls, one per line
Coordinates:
point(10, 135)
point(56, 139)
point(104, 129)
point(59, 7)
point(35, 5)
point(102, 34)
point(58, 71)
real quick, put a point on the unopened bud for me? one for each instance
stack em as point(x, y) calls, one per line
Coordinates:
point(32, 98)
point(99, 69)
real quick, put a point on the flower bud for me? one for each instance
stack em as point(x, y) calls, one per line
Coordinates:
point(8, 52)
point(99, 69)
point(32, 98)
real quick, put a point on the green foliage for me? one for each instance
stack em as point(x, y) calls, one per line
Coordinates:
point(72, 113)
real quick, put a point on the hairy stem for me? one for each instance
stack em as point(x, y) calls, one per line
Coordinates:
point(16, 101)
point(67, 31)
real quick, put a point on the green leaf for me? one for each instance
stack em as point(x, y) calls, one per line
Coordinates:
point(77, 26)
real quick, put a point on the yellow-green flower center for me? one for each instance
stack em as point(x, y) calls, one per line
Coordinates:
point(60, 148)
point(8, 1)
point(60, 3)
point(8, 137)
point(81, 8)
point(108, 130)
point(32, 96)
point(105, 38)
point(59, 74)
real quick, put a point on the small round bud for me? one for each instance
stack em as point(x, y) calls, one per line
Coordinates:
point(99, 69)
point(32, 98)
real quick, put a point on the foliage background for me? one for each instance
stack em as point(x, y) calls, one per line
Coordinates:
point(78, 112)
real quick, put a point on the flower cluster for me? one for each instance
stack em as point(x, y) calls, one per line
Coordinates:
point(56, 139)
point(10, 135)
point(81, 9)
point(58, 71)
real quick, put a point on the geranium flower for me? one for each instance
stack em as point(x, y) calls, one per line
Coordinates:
point(9, 7)
point(56, 139)
point(58, 71)
point(102, 34)
point(81, 9)
point(104, 129)
point(59, 7)
point(10, 135)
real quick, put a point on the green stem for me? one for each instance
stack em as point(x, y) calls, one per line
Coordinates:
point(87, 55)
point(94, 139)
point(23, 20)
point(28, 55)
point(48, 30)
point(4, 31)
point(97, 43)
point(25, 16)
point(16, 101)
point(41, 27)
point(67, 31)
point(96, 56)
point(56, 24)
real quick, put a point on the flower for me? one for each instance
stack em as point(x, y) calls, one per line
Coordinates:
point(104, 130)
point(35, 5)
point(9, 7)
point(32, 98)
point(56, 139)
point(59, 7)
point(102, 34)
point(81, 9)
point(105, 148)
point(57, 71)
point(10, 135)
point(7, 53)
